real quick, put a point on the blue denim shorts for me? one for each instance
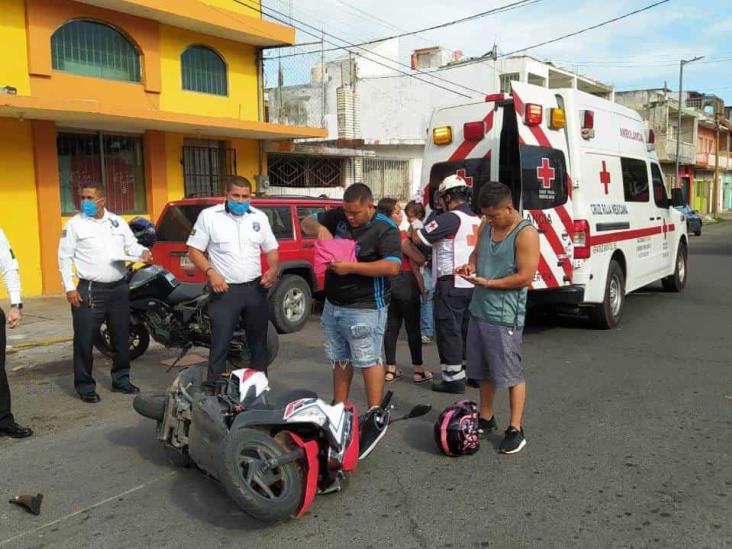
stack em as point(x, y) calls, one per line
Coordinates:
point(353, 335)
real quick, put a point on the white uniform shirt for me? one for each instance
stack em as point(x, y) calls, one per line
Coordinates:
point(97, 247)
point(9, 268)
point(234, 243)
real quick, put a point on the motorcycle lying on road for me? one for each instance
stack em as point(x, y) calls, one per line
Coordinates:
point(175, 314)
point(271, 455)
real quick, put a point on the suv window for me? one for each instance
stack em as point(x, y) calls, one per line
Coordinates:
point(177, 222)
point(280, 219)
point(543, 177)
point(635, 180)
point(660, 197)
point(304, 211)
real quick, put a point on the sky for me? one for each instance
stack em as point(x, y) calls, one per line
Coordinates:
point(642, 51)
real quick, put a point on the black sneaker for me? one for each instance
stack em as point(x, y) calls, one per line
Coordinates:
point(373, 425)
point(486, 426)
point(453, 387)
point(513, 442)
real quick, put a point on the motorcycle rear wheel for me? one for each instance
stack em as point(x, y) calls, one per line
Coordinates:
point(270, 496)
point(139, 340)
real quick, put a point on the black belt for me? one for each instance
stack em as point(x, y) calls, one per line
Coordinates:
point(102, 284)
point(250, 283)
point(442, 278)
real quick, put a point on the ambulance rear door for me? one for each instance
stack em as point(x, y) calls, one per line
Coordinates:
point(546, 186)
point(463, 141)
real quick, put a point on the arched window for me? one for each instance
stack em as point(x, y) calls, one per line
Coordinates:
point(94, 49)
point(203, 71)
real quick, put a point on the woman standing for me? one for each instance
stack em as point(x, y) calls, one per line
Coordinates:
point(405, 303)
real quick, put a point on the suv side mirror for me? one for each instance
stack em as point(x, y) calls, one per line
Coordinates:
point(677, 197)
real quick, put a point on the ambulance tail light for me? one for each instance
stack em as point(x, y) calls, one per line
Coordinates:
point(534, 114)
point(442, 135)
point(581, 239)
point(588, 124)
point(474, 131)
point(493, 97)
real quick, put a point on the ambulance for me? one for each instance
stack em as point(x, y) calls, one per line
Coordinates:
point(584, 171)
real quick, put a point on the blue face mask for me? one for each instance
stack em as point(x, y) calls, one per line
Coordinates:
point(237, 208)
point(89, 207)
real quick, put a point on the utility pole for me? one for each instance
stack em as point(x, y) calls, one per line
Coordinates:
point(715, 186)
point(678, 132)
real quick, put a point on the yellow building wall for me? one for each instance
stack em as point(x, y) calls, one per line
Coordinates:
point(174, 168)
point(241, 72)
point(242, 8)
point(19, 203)
point(14, 45)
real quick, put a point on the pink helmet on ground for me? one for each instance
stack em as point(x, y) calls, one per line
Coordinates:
point(456, 429)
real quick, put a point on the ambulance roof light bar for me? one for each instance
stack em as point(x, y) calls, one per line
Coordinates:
point(493, 97)
point(588, 124)
point(442, 135)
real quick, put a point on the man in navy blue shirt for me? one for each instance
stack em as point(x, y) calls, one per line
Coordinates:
point(357, 299)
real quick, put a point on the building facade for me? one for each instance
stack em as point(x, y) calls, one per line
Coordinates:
point(156, 100)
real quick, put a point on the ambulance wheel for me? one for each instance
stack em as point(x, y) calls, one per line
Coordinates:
point(607, 315)
point(677, 281)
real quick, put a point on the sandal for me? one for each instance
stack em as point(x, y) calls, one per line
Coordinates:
point(423, 376)
point(392, 375)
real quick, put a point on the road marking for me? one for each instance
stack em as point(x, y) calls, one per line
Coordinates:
point(99, 504)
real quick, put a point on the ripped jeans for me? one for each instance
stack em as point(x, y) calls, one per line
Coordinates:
point(353, 335)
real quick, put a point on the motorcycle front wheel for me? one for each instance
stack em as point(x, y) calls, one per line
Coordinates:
point(139, 340)
point(267, 494)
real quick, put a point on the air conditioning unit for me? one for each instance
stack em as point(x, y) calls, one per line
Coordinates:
point(262, 182)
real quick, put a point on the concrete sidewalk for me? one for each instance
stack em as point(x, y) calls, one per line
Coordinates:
point(46, 321)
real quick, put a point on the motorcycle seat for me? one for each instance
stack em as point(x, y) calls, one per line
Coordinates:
point(185, 292)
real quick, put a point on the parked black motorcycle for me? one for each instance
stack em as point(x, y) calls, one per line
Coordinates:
point(175, 314)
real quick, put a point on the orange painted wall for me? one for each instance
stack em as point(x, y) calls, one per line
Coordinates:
point(49, 200)
point(45, 16)
point(155, 172)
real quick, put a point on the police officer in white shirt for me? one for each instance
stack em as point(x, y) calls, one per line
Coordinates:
point(98, 242)
point(234, 234)
point(9, 268)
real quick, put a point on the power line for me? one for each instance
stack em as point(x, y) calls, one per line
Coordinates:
point(493, 11)
point(264, 11)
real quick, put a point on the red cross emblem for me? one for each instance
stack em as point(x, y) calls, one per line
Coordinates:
point(605, 177)
point(545, 172)
point(464, 175)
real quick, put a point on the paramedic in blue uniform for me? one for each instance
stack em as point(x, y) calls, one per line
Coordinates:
point(9, 268)
point(98, 242)
point(234, 234)
point(452, 236)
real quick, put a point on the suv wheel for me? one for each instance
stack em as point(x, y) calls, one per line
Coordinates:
point(290, 304)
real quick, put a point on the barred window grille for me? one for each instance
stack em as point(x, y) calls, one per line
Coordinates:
point(287, 170)
point(203, 71)
point(204, 165)
point(94, 49)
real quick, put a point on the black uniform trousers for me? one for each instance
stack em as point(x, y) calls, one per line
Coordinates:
point(247, 302)
point(101, 301)
point(451, 316)
point(405, 306)
point(6, 417)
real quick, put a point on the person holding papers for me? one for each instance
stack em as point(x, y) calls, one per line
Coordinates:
point(97, 243)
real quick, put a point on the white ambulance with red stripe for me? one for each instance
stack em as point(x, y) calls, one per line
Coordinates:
point(585, 172)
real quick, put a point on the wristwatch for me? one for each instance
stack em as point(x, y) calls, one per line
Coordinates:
point(16, 305)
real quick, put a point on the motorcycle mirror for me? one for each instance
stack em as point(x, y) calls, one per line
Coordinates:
point(30, 503)
point(419, 410)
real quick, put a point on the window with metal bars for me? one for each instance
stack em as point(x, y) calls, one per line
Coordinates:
point(203, 70)
point(115, 161)
point(288, 170)
point(90, 48)
point(204, 164)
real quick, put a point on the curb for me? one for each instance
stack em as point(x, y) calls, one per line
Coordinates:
point(39, 343)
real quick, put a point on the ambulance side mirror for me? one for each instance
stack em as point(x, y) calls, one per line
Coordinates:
point(677, 197)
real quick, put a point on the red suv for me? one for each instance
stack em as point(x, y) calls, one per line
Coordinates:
point(291, 300)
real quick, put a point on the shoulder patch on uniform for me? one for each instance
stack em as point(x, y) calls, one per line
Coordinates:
point(114, 223)
point(431, 226)
point(256, 226)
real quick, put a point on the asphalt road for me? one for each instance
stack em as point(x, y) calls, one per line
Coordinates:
point(629, 438)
